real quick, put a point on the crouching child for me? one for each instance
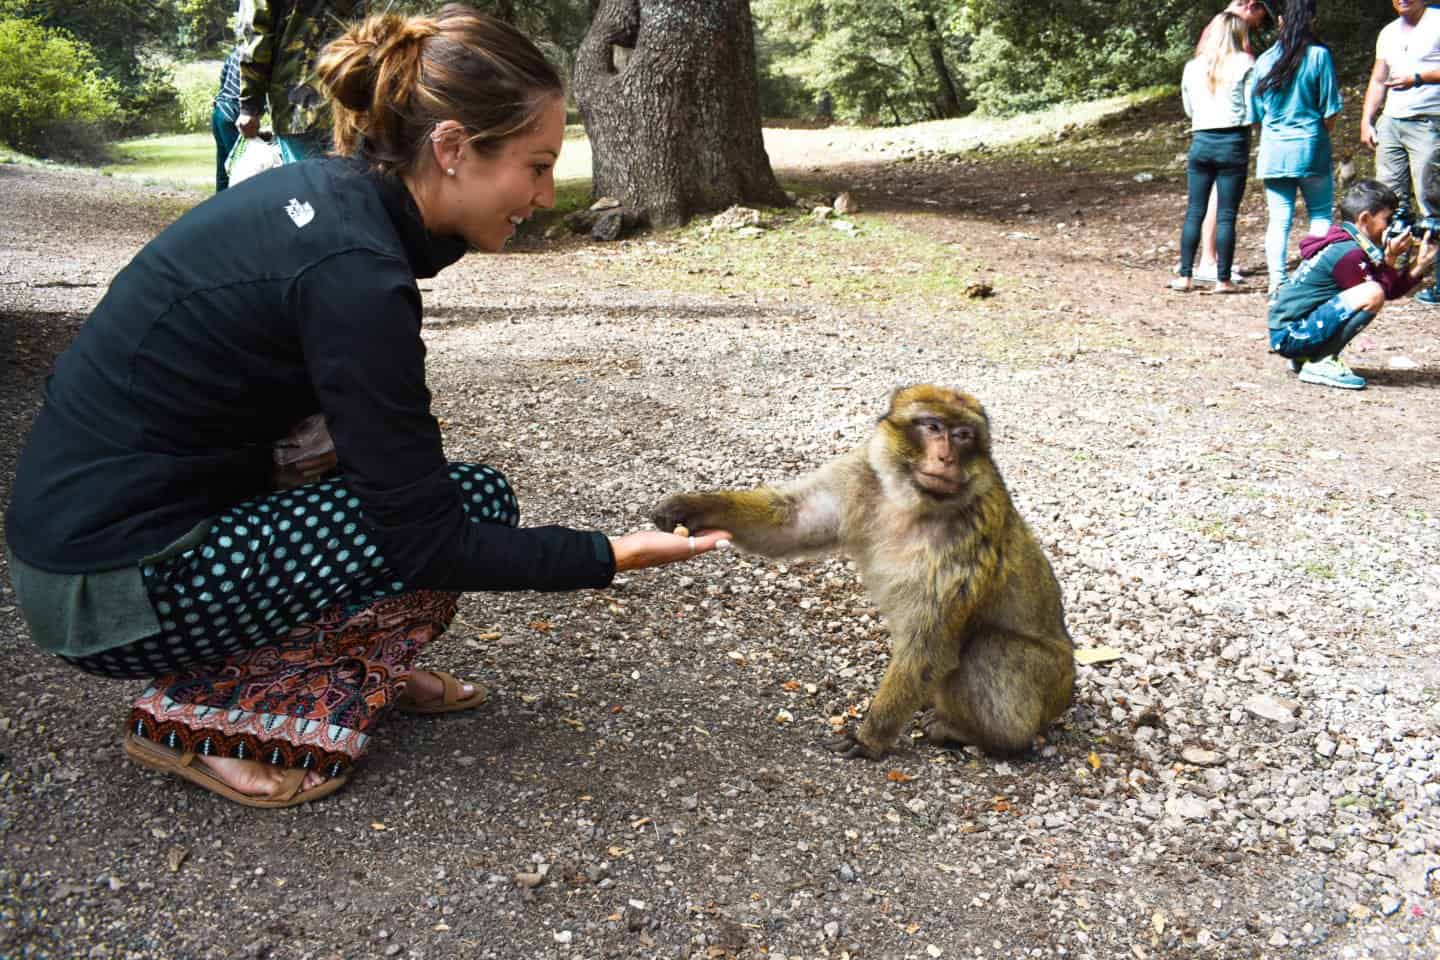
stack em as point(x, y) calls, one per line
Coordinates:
point(1345, 279)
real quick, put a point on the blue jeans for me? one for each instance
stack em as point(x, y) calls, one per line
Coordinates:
point(1218, 158)
point(1319, 194)
point(222, 126)
point(1322, 332)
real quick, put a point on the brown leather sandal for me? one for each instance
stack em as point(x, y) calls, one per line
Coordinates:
point(449, 701)
point(156, 756)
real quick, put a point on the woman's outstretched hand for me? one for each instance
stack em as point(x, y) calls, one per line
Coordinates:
point(654, 548)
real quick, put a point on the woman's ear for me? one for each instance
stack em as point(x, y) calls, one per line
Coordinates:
point(447, 141)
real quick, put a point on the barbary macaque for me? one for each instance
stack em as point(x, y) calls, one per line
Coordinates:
point(977, 629)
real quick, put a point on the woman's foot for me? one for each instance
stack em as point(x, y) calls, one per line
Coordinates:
point(253, 778)
point(1223, 286)
point(425, 688)
point(1180, 284)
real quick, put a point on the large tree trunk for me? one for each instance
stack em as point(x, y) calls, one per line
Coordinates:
point(668, 92)
point(950, 105)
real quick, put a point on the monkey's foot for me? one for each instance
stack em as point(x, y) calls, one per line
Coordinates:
point(848, 745)
point(940, 732)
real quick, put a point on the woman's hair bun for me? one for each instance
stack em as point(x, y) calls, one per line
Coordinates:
point(375, 48)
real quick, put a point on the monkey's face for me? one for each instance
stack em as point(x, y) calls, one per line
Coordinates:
point(940, 450)
point(935, 435)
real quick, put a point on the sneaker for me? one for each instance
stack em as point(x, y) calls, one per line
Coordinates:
point(1330, 372)
point(1210, 274)
point(1296, 363)
point(1428, 296)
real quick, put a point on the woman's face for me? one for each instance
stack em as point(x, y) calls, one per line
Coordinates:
point(493, 190)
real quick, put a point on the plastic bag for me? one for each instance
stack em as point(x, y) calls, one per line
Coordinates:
point(252, 155)
point(305, 454)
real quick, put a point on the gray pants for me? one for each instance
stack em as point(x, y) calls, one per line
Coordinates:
point(1405, 149)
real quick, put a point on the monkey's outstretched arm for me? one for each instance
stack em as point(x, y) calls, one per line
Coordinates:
point(801, 517)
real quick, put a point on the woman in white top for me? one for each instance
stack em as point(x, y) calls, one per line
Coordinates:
point(1215, 91)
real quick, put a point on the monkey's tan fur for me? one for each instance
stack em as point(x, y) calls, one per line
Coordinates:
point(977, 628)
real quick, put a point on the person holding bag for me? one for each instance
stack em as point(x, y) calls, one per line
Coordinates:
point(174, 515)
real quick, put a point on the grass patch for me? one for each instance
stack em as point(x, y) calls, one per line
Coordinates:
point(187, 159)
point(882, 261)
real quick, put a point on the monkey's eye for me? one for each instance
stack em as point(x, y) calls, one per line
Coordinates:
point(962, 435)
point(931, 428)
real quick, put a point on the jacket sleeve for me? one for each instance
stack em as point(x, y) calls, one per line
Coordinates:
point(1354, 268)
point(359, 320)
point(257, 53)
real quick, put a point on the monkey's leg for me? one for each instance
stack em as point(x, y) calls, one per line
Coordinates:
point(1007, 689)
point(904, 689)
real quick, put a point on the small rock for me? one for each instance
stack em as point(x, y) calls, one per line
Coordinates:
point(1144, 177)
point(1188, 808)
point(1199, 757)
point(563, 937)
point(1271, 708)
point(735, 218)
point(605, 203)
point(609, 227)
point(1403, 363)
point(529, 881)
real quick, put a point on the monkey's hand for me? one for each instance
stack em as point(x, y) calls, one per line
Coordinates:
point(848, 745)
point(691, 510)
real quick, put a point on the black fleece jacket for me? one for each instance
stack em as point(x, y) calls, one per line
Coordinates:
point(290, 293)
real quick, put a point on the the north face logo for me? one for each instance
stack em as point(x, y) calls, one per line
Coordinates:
point(301, 213)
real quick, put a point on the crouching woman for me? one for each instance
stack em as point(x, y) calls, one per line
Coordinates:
point(148, 536)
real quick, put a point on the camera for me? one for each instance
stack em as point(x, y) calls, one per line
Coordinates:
point(1422, 228)
point(1425, 228)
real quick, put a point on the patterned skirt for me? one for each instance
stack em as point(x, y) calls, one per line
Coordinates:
point(283, 636)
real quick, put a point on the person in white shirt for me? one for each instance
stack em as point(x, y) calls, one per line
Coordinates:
point(1215, 92)
point(1405, 84)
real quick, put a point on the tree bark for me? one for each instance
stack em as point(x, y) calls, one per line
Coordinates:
point(950, 105)
point(671, 103)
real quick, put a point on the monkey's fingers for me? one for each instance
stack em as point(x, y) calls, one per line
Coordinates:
point(852, 749)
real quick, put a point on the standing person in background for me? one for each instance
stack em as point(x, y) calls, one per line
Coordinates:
point(1256, 13)
point(1296, 99)
point(1214, 90)
point(281, 41)
point(1405, 83)
point(222, 116)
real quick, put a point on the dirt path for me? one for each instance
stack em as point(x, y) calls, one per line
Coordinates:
point(1256, 777)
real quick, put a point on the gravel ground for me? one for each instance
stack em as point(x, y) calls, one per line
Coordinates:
point(1254, 775)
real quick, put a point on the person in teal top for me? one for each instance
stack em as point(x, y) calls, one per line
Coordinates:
point(1295, 100)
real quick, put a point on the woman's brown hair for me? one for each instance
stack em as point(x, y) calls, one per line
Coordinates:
point(391, 79)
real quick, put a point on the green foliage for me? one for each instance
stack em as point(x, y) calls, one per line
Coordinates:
point(888, 59)
point(892, 60)
point(120, 33)
point(50, 86)
point(206, 26)
point(195, 87)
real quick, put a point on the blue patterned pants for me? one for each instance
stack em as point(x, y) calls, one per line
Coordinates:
point(271, 564)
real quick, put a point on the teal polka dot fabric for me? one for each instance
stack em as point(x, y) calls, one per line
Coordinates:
point(271, 564)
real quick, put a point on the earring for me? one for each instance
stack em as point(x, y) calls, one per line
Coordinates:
point(449, 171)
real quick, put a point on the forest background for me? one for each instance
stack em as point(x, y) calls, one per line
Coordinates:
point(77, 75)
